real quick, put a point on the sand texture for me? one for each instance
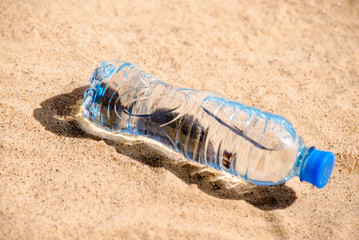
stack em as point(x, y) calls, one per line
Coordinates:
point(298, 59)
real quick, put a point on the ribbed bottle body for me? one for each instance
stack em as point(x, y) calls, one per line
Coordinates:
point(204, 127)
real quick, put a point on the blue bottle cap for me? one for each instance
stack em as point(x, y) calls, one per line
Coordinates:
point(317, 167)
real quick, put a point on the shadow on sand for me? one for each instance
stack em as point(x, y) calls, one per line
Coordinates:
point(57, 115)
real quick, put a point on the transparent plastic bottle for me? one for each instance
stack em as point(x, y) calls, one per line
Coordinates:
point(258, 146)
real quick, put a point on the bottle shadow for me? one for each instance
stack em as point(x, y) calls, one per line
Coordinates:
point(58, 115)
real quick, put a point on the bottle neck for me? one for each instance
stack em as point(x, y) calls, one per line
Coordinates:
point(302, 156)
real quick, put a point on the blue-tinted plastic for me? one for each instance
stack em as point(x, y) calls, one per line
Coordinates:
point(244, 141)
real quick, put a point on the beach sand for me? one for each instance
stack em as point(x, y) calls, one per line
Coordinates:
point(296, 59)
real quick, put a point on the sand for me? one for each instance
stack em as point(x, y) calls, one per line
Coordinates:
point(293, 58)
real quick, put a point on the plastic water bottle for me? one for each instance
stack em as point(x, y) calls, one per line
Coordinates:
point(258, 146)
